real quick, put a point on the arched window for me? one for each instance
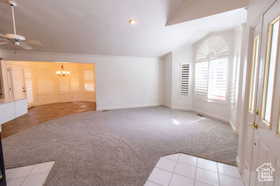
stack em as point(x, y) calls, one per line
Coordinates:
point(212, 47)
point(211, 68)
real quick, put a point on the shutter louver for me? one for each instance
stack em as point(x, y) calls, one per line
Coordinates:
point(201, 78)
point(185, 79)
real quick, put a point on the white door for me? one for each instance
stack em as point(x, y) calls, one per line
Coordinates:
point(17, 82)
point(253, 100)
point(266, 149)
point(28, 86)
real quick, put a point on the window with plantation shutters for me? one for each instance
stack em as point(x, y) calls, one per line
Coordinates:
point(201, 78)
point(218, 79)
point(211, 69)
point(211, 79)
point(185, 79)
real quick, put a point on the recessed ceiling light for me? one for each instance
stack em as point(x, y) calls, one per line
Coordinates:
point(132, 21)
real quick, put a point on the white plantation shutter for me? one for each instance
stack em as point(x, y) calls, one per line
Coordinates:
point(185, 79)
point(218, 79)
point(201, 78)
point(211, 79)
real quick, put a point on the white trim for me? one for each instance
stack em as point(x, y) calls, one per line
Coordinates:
point(211, 116)
point(105, 108)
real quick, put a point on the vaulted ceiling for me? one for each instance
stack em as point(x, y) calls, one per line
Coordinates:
point(101, 27)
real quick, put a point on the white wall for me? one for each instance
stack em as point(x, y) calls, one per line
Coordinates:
point(167, 80)
point(172, 79)
point(121, 82)
point(125, 83)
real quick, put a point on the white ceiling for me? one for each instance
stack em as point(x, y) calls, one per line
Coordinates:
point(101, 27)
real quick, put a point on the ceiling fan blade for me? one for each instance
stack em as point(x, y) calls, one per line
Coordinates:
point(34, 43)
point(4, 1)
point(2, 36)
point(25, 46)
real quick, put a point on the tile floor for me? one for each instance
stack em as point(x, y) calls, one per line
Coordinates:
point(34, 175)
point(185, 170)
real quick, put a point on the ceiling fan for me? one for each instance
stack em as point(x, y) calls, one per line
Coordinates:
point(14, 38)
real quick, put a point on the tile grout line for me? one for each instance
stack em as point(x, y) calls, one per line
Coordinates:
point(218, 174)
point(195, 176)
point(154, 182)
point(27, 176)
point(172, 173)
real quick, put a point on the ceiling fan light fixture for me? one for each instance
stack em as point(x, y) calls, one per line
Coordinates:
point(132, 21)
point(12, 3)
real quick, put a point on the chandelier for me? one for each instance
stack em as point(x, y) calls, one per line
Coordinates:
point(62, 71)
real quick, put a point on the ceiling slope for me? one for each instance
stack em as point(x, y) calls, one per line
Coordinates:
point(194, 9)
point(97, 27)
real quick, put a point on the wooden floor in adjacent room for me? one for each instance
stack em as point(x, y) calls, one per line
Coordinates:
point(41, 114)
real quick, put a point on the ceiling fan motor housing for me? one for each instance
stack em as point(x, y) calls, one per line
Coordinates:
point(12, 3)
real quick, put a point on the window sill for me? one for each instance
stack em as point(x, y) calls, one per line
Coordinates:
point(221, 102)
point(217, 101)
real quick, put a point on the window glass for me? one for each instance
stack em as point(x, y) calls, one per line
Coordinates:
point(253, 78)
point(270, 70)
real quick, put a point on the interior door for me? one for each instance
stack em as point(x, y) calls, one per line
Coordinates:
point(29, 86)
point(253, 101)
point(17, 82)
point(266, 151)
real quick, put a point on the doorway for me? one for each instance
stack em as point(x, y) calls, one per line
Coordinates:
point(52, 90)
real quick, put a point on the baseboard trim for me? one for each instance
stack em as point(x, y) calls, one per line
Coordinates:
point(125, 107)
point(210, 116)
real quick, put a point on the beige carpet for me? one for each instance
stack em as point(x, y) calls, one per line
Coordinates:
point(117, 148)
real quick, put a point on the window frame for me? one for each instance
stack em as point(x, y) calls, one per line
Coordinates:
point(254, 70)
point(208, 60)
point(267, 70)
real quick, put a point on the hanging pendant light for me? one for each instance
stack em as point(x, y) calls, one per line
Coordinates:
point(62, 71)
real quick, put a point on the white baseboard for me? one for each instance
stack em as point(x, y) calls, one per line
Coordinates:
point(211, 116)
point(102, 108)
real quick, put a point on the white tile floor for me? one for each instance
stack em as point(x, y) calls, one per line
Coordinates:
point(34, 175)
point(185, 170)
